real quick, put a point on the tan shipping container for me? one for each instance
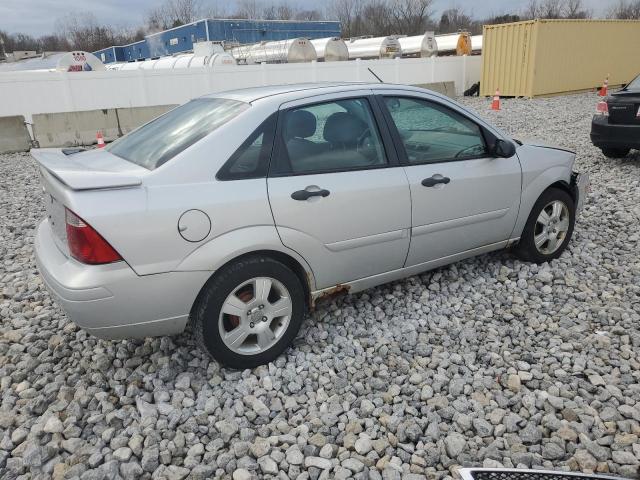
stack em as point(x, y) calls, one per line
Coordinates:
point(551, 57)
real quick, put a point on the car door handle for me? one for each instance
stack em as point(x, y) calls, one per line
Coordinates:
point(435, 180)
point(306, 194)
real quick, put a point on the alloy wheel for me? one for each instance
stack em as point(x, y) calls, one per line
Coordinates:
point(255, 315)
point(551, 227)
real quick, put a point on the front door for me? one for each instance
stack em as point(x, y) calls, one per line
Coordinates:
point(462, 198)
point(337, 194)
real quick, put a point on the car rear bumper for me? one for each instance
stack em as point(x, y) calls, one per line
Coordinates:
point(606, 135)
point(111, 301)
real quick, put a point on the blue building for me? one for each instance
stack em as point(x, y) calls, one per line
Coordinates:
point(182, 38)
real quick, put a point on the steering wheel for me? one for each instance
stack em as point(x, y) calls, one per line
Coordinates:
point(461, 152)
point(361, 143)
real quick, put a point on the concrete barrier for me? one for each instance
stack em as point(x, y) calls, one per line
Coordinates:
point(67, 129)
point(445, 88)
point(14, 136)
point(131, 118)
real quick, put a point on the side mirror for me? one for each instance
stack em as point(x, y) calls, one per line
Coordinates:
point(503, 148)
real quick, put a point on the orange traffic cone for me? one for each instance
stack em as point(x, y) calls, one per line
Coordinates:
point(495, 104)
point(605, 86)
point(100, 139)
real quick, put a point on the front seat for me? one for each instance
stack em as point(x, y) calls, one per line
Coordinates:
point(342, 131)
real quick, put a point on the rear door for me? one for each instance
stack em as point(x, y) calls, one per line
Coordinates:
point(462, 197)
point(338, 195)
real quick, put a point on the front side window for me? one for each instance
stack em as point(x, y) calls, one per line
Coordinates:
point(162, 139)
point(432, 133)
point(332, 136)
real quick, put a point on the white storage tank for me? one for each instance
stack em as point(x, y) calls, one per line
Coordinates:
point(295, 50)
point(374, 47)
point(131, 66)
point(221, 59)
point(476, 43)
point(419, 45)
point(331, 49)
point(147, 64)
point(187, 60)
point(164, 62)
point(454, 43)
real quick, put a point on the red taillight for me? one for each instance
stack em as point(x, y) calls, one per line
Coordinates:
point(85, 244)
point(602, 108)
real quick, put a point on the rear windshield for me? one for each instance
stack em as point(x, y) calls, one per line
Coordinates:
point(162, 139)
point(634, 84)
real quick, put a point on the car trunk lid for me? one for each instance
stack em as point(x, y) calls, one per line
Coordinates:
point(68, 173)
point(624, 108)
point(88, 170)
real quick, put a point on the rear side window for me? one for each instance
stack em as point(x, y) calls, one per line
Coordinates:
point(251, 160)
point(162, 139)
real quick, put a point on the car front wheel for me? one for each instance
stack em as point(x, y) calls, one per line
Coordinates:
point(250, 312)
point(548, 228)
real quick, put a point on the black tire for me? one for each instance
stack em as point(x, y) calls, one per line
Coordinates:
point(206, 312)
point(615, 152)
point(526, 249)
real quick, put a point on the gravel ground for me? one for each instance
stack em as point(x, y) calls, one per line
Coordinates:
point(486, 362)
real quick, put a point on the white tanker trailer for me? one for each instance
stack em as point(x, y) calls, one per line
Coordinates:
point(419, 45)
point(454, 43)
point(295, 50)
point(374, 47)
point(476, 43)
point(187, 60)
point(330, 49)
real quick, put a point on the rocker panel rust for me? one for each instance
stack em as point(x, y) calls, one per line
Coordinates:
point(327, 294)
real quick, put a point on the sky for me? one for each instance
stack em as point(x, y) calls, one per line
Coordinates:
point(37, 17)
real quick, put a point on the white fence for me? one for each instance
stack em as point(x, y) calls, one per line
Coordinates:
point(29, 93)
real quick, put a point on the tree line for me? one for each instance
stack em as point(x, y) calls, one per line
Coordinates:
point(358, 17)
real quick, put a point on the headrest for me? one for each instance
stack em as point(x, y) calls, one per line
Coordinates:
point(343, 127)
point(300, 124)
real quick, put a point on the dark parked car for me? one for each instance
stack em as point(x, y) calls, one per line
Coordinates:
point(615, 127)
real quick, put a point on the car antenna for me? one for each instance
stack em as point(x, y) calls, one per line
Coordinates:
point(379, 79)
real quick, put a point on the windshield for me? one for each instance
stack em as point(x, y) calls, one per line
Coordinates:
point(634, 84)
point(162, 139)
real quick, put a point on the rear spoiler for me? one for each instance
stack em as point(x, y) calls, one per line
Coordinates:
point(80, 176)
point(528, 474)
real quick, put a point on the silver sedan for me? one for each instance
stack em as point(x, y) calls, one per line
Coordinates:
point(239, 210)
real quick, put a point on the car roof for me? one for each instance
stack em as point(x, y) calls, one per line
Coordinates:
point(300, 90)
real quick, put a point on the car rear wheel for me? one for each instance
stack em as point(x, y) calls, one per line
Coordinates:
point(615, 152)
point(548, 228)
point(250, 312)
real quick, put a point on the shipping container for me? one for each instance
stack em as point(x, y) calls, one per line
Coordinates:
point(552, 57)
